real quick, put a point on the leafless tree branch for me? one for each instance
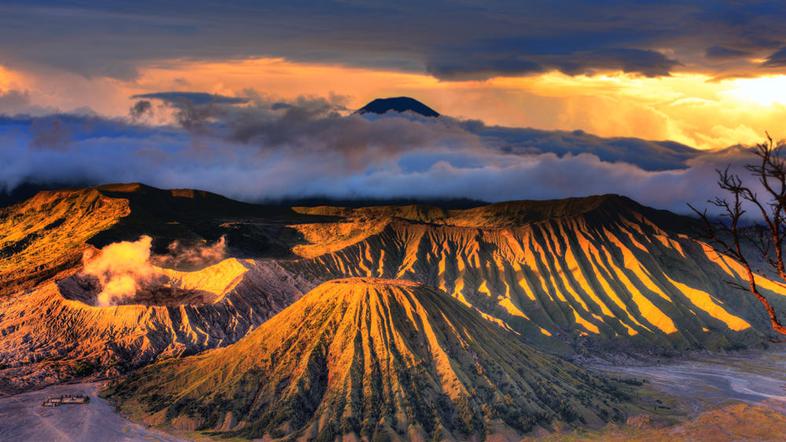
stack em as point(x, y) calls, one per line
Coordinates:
point(726, 233)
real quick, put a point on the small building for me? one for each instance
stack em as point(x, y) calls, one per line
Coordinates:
point(66, 399)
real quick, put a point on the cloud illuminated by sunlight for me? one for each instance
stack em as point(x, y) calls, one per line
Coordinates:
point(9, 79)
point(764, 91)
point(691, 108)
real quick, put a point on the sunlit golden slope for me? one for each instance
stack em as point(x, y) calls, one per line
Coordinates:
point(47, 234)
point(375, 359)
point(570, 274)
point(51, 328)
point(598, 270)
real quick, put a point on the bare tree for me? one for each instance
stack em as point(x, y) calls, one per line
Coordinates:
point(728, 234)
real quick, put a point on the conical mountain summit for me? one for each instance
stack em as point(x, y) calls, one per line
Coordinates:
point(370, 358)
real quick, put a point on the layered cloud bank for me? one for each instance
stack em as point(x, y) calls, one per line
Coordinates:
point(452, 41)
point(708, 74)
point(258, 149)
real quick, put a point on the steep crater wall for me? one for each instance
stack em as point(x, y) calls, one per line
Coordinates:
point(57, 332)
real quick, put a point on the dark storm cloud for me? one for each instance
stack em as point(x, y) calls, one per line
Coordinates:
point(191, 98)
point(724, 53)
point(140, 109)
point(459, 67)
point(267, 149)
point(648, 155)
point(571, 53)
point(193, 109)
point(11, 101)
point(14, 102)
point(777, 59)
point(452, 40)
point(49, 133)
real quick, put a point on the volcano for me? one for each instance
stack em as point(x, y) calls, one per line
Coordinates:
point(576, 276)
point(371, 358)
point(397, 104)
point(602, 272)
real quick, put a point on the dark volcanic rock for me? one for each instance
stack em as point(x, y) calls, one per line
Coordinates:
point(397, 104)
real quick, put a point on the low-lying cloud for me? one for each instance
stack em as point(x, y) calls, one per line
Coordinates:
point(255, 148)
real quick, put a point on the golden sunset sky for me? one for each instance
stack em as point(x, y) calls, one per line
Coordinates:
point(694, 108)
point(254, 99)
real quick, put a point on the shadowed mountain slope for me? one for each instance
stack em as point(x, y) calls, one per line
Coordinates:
point(370, 358)
point(186, 215)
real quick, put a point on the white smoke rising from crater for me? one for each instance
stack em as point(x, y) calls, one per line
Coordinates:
point(124, 268)
point(121, 268)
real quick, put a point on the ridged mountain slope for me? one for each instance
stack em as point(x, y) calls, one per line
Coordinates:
point(598, 271)
point(370, 358)
point(186, 215)
point(51, 328)
point(46, 234)
point(576, 274)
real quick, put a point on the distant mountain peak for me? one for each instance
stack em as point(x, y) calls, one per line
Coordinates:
point(397, 104)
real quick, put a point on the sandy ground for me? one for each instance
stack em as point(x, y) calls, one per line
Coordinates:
point(735, 397)
point(22, 418)
point(708, 381)
point(701, 383)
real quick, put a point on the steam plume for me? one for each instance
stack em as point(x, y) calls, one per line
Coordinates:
point(189, 257)
point(127, 267)
point(121, 268)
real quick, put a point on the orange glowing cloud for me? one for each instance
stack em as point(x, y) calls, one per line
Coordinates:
point(692, 108)
point(7, 79)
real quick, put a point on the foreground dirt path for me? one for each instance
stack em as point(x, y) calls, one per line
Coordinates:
point(22, 418)
point(738, 396)
point(708, 381)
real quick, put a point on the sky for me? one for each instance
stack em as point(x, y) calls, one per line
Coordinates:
point(111, 90)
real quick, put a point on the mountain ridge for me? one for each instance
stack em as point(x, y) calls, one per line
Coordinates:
point(507, 213)
point(605, 277)
point(585, 275)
